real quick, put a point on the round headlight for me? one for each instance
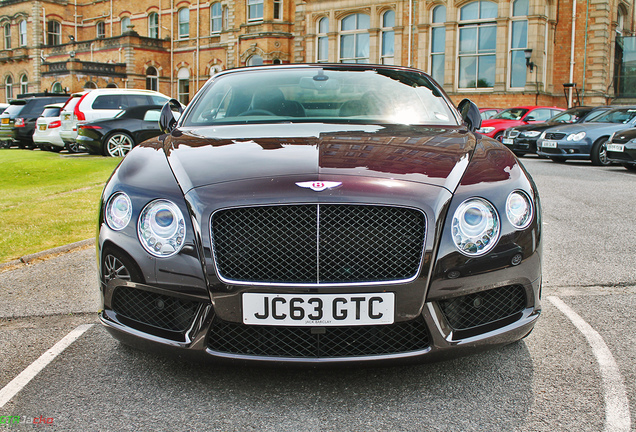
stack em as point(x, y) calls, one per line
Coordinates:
point(519, 209)
point(576, 136)
point(161, 228)
point(475, 227)
point(118, 211)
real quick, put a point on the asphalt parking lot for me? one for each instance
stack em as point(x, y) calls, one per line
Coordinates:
point(575, 372)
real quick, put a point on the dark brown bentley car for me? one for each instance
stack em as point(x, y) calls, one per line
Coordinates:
point(316, 214)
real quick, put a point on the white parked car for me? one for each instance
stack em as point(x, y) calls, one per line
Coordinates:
point(96, 104)
point(47, 128)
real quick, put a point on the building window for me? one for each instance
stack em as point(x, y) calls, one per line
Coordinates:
point(152, 79)
point(57, 88)
point(254, 60)
point(153, 25)
point(24, 84)
point(254, 10)
point(90, 85)
point(226, 18)
point(184, 23)
point(438, 43)
point(278, 9)
point(8, 88)
point(216, 24)
point(388, 37)
point(322, 51)
point(53, 33)
point(477, 44)
point(101, 29)
point(518, 43)
point(22, 28)
point(354, 39)
point(125, 25)
point(183, 77)
point(7, 36)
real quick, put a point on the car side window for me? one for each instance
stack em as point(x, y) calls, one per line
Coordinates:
point(136, 100)
point(152, 115)
point(540, 114)
point(157, 100)
point(107, 102)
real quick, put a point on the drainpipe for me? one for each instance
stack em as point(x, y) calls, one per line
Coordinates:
point(587, 15)
point(198, 42)
point(75, 19)
point(572, 52)
point(171, 48)
point(410, 31)
point(111, 18)
point(43, 26)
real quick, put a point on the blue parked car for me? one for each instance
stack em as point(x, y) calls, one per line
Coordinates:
point(585, 140)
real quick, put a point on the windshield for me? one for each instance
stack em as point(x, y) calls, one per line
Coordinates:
point(511, 114)
point(13, 109)
point(51, 112)
point(321, 95)
point(570, 116)
point(622, 115)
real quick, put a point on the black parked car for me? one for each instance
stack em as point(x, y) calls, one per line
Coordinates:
point(117, 136)
point(320, 213)
point(621, 148)
point(523, 139)
point(17, 122)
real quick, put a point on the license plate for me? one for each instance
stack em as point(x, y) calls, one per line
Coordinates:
point(5, 121)
point(66, 116)
point(42, 127)
point(318, 309)
point(549, 144)
point(509, 141)
point(616, 147)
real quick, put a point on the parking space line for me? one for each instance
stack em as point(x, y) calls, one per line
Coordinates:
point(19, 382)
point(617, 416)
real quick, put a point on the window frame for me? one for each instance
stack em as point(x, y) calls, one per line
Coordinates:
point(8, 88)
point(152, 80)
point(24, 84)
point(478, 24)
point(7, 35)
point(256, 6)
point(22, 31)
point(183, 86)
point(53, 33)
point(277, 10)
point(355, 32)
point(511, 51)
point(216, 21)
point(183, 23)
point(128, 25)
point(100, 29)
point(153, 27)
point(437, 23)
point(322, 38)
point(384, 31)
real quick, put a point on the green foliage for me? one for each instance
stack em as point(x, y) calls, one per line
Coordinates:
point(48, 199)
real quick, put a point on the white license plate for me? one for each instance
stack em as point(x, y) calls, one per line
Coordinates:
point(616, 147)
point(318, 309)
point(549, 144)
point(509, 141)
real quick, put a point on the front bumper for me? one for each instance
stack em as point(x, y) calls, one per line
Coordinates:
point(627, 156)
point(565, 149)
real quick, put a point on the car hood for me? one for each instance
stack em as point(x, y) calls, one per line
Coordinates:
point(209, 155)
point(537, 126)
point(587, 127)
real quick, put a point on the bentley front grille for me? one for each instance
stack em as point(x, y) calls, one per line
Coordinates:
point(318, 243)
point(484, 307)
point(324, 342)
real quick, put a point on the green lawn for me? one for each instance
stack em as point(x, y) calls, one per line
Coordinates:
point(48, 199)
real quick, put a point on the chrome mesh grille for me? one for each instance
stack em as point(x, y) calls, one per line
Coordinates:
point(554, 136)
point(157, 310)
point(313, 244)
point(307, 342)
point(484, 307)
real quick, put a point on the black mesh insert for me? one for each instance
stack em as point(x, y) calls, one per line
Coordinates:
point(324, 243)
point(484, 307)
point(306, 342)
point(156, 310)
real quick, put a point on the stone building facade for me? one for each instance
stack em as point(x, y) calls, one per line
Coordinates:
point(475, 49)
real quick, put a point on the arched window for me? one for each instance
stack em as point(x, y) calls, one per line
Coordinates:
point(24, 84)
point(354, 39)
point(22, 29)
point(100, 29)
point(53, 33)
point(57, 88)
point(8, 88)
point(183, 77)
point(477, 44)
point(254, 60)
point(322, 50)
point(7, 36)
point(184, 23)
point(620, 21)
point(388, 37)
point(254, 10)
point(90, 85)
point(216, 18)
point(153, 25)
point(152, 78)
point(438, 43)
point(125, 25)
point(111, 85)
point(518, 43)
point(277, 61)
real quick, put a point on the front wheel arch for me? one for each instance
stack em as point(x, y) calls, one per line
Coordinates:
point(117, 144)
point(598, 154)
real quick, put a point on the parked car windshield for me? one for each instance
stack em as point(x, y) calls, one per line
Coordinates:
point(13, 109)
point(321, 95)
point(51, 112)
point(570, 116)
point(620, 115)
point(511, 114)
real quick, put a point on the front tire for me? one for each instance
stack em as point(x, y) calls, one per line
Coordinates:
point(118, 144)
point(599, 153)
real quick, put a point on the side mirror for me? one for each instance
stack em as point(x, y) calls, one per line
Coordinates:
point(170, 113)
point(470, 114)
point(529, 119)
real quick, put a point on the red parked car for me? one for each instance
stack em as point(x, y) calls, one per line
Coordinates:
point(516, 116)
